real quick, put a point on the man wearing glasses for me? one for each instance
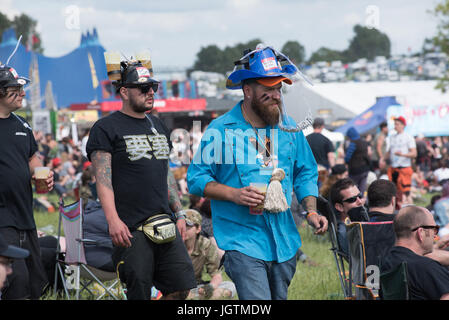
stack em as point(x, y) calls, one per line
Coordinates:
point(415, 231)
point(129, 150)
point(349, 203)
point(18, 158)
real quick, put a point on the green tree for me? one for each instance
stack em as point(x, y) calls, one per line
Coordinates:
point(295, 51)
point(4, 23)
point(213, 59)
point(367, 43)
point(24, 25)
point(441, 39)
point(209, 59)
point(325, 54)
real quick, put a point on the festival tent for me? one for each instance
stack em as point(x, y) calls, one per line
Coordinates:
point(370, 118)
point(79, 81)
point(425, 120)
point(74, 77)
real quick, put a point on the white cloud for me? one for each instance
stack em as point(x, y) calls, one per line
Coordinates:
point(352, 19)
point(175, 30)
point(8, 9)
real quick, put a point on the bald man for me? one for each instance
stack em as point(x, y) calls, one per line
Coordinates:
point(415, 231)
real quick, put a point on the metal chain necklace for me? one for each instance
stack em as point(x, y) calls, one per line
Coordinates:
point(270, 158)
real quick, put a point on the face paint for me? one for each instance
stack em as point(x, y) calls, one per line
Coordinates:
point(12, 94)
point(264, 97)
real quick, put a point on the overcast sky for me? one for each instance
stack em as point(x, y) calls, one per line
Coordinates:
point(175, 30)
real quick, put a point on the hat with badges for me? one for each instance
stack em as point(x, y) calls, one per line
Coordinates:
point(10, 78)
point(129, 73)
point(134, 73)
point(264, 62)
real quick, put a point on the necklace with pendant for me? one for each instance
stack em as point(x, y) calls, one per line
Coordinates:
point(267, 152)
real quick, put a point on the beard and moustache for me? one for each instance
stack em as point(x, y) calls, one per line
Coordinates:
point(270, 115)
point(139, 107)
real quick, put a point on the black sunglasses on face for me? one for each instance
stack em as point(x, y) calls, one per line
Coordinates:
point(145, 88)
point(353, 199)
point(435, 228)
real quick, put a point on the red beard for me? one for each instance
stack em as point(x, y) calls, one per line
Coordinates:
point(268, 113)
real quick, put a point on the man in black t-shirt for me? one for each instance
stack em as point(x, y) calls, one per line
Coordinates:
point(322, 147)
point(129, 151)
point(18, 158)
point(415, 230)
point(381, 200)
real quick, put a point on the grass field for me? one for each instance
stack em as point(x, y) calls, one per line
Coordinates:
point(318, 282)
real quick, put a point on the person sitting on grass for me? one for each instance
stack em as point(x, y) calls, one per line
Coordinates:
point(205, 255)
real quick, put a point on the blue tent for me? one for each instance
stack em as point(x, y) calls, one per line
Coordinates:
point(73, 76)
point(371, 117)
point(79, 77)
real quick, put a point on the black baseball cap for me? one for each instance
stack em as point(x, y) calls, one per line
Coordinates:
point(13, 252)
point(134, 74)
point(10, 78)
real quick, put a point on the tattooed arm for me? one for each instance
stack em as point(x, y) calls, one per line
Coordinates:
point(317, 221)
point(175, 203)
point(119, 232)
point(173, 196)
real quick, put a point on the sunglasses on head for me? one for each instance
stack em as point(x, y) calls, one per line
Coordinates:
point(353, 199)
point(145, 88)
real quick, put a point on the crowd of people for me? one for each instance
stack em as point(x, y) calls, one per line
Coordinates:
point(127, 164)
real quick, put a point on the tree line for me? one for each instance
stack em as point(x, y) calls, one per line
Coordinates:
point(366, 43)
point(23, 25)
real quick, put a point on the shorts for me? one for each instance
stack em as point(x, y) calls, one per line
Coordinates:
point(166, 266)
point(402, 178)
point(29, 277)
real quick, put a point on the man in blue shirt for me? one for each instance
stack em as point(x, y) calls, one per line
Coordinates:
point(242, 147)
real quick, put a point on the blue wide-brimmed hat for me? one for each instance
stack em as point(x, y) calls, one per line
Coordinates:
point(260, 63)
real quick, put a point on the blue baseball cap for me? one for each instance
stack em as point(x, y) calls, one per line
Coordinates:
point(261, 63)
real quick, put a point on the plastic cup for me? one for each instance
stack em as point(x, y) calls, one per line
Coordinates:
point(41, 175)
point(112, 60)
point(144, 58)
point(262, 187)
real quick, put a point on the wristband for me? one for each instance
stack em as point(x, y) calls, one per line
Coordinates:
point(180, 215)
point(311, 214)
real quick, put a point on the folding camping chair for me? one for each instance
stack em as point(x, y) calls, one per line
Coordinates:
point(325, 208)
point(75, 260)
point(368, 242)
point(394, 283)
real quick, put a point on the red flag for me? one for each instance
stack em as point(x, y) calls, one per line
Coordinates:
point(35, 39)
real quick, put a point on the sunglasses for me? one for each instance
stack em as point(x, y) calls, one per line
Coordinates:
point(435, 228)
point(146, 87)
point(353, 199)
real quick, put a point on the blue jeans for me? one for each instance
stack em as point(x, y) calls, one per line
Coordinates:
point(256, 279)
